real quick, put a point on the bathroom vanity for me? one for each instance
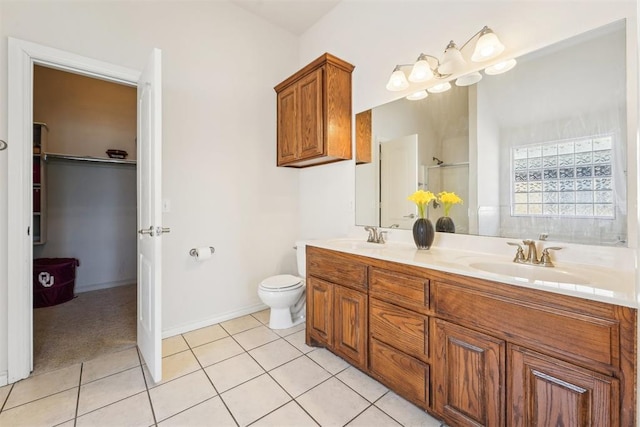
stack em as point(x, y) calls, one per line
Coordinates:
point(470, 350)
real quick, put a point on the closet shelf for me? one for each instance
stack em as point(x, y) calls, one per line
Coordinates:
point(48, 156)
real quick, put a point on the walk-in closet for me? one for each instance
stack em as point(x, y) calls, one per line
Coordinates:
point(85, 209)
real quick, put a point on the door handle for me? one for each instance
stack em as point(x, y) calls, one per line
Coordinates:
point(409, 216)
point(150, 231)
point(162, 230)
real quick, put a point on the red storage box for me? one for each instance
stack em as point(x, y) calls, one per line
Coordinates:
point(54, 280)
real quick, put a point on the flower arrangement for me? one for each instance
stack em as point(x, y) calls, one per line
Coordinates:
point(422, 198)
point(448, 199)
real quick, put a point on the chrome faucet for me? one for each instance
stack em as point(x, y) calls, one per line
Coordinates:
point(375, 236)
point(532, 254)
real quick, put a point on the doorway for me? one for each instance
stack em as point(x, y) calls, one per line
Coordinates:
point(84, 211)
point(23, 56)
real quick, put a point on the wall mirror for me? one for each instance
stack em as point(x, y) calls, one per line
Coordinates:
point(541, 149)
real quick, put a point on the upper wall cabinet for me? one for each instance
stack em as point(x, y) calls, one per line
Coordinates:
point(314, 114)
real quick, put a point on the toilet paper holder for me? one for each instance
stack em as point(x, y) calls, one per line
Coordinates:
point(194, 252)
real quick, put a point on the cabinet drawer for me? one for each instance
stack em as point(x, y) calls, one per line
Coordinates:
point(404, 374)
point(400, 328)
point(336, 269)
point(576, 336)
point(407, 291)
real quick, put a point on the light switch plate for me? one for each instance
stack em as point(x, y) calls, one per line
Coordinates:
point(166, 205)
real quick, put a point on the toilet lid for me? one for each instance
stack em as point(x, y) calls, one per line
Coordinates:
point(281, 281)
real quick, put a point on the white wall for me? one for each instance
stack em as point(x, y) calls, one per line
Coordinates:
point(220, 64)
point(377, 35)
point(91, 216)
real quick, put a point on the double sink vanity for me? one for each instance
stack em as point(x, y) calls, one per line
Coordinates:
point(477, 339)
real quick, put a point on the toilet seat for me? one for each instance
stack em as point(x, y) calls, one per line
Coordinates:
point(281, 283)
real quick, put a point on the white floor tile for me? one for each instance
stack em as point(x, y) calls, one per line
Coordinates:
point(234, 371)
point(297, 340)
point(217, 351)
point(132, 411)
point(362, 383)
point(328, 360)
point(42, 385)
point(240, 324)
point(299, 375)
point(255, 337)
point(275, 353)
point(254, 399)
point(405, 412)
point(173, 367)
point(373, 417)
point(173, 345)
point(290, 415)
point(332, 403)
point(48, 411)
point(289, 331)
point(110, 389)
point(205, 335)
point(263, 316)
point(180, 394)
point(4, 392)
point(110, 364)
point(209, 413)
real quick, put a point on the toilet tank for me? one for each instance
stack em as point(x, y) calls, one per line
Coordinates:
point(301, 258)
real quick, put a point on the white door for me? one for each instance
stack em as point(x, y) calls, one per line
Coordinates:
point(150, 214)
point(400, 154)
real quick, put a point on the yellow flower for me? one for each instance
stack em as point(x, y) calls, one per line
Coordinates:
point(448, 199)
point(421, 198)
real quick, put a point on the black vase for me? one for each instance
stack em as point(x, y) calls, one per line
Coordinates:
point(423, 233)
point(444, 224)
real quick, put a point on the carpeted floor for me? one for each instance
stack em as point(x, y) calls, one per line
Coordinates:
point(92, 324)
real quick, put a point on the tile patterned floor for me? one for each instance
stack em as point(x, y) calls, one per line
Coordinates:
point(237, 373)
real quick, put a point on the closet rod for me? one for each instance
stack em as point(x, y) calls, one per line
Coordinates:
point(448, 165)
point(48, 156)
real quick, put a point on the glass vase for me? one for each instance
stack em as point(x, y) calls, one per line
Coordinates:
point(445, 224)
point(423, 233)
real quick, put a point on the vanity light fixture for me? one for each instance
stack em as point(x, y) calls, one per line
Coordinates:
point(428, 67)
point(440, 87)
point(421, 71)
point(397, 81)
point(469, 79)
point(500, 67)
point(415, 96)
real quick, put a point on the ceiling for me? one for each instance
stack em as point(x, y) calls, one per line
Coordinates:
point(295, 16)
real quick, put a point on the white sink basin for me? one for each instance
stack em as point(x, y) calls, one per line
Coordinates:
point(355, 244)
point(530, 272)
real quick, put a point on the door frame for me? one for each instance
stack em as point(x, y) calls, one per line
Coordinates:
point(22, 56)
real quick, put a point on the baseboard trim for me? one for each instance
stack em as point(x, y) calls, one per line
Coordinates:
point(98, 286)
point(213, 320)
point(4, 378)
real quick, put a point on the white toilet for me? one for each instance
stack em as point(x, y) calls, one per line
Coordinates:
point(285, 295)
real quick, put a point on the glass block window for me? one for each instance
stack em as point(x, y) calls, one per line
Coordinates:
point(570, 178)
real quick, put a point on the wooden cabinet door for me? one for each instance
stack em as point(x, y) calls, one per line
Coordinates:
point(469, 376)
point(288, 125)
point(404, 374)
point(544, 391)
point(311, 138)
point(319, 312)
point(350, 325)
